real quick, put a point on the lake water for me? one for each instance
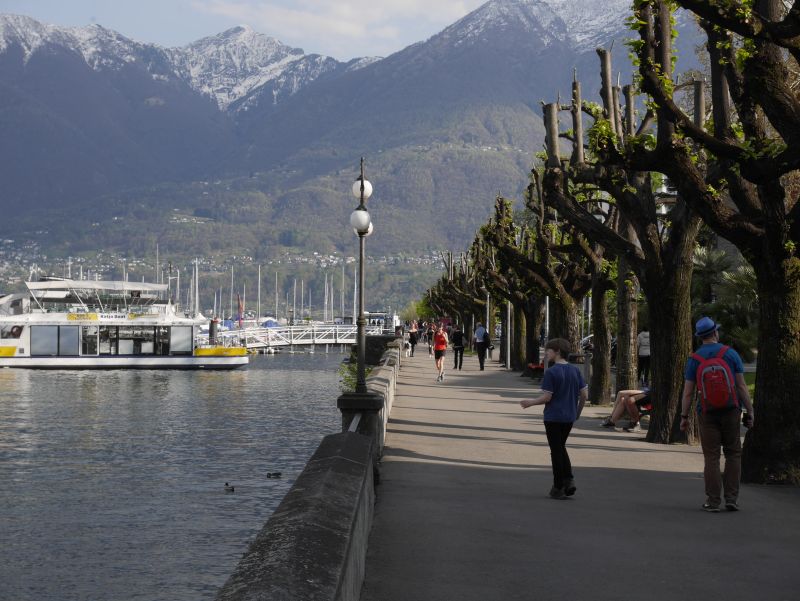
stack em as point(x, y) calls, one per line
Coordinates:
point(112, 483)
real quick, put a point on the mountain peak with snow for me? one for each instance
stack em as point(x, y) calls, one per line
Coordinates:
point(583, 24)
point(229, 66)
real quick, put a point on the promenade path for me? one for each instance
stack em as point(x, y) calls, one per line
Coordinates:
point(462, 511)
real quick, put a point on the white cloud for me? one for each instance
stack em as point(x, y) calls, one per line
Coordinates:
point(343, 28)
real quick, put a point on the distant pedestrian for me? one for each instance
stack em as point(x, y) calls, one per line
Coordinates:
point(429, 334)
point(643, 346)
point(457, 339)
point(412, 337)
point(716, 371)
point(479, 340)
point(564, 395)
point(439, 349)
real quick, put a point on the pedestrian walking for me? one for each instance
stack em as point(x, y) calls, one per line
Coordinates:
point(439, 348)
point(412, 337)
point(457, 340)
point(643, 346)
point(564, 395)
point(717, 373)
point(429, 334)
point(480, 342)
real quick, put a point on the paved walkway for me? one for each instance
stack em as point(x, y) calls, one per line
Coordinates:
point(463, 513)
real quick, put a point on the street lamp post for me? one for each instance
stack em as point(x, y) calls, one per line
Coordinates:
point(362, 402)
point(362, 225)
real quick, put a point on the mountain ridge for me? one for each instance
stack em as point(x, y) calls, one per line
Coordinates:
point(138, 131)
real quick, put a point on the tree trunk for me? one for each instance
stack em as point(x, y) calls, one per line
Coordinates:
point(534, 318)
point(627, 319)
point(772, 446)
point(600, 386)
point(518, 341)
point(670, 346)
point(565, 322)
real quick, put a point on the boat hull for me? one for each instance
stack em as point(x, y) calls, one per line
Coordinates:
point(188, 362)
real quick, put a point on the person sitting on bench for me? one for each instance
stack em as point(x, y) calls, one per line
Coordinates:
point(632, 401)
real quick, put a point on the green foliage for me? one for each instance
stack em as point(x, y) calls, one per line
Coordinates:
point(348, 374)
point(424, 310)
point(601, 136)
point(745, 53)
point(594, 109)
point(730, 296)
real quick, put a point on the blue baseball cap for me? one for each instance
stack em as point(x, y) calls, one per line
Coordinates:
point(704, 327)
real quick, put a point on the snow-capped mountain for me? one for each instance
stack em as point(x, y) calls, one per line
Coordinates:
point(228, 67)
point(100, 47)
point(234, 64)
point(582, 24)
point(88, 112)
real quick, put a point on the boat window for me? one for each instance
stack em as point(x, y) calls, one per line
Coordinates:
point(136, 340)
point(69, 343)
point(108, 340)
point(162, 340)
point(44, 341)
point(181, 340)
point(11, 331)
point(89, 340)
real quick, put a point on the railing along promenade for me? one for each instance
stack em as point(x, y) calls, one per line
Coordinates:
point(267, 338)
point(314, 545)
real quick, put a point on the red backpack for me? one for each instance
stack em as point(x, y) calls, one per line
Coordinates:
point(715, 382)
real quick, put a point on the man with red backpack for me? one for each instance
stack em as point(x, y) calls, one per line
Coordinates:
point(716, 372)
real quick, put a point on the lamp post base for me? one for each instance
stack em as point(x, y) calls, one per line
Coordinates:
point(367, 403)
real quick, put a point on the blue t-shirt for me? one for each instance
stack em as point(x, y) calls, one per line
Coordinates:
point(565, 382)
point(707, 351)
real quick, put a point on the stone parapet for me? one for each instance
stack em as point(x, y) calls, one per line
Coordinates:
point(314, 546)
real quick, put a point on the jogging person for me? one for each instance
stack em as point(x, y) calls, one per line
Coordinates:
point(716, 371)
point(439, 348)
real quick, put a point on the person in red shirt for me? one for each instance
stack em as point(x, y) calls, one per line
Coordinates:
point(440, 343)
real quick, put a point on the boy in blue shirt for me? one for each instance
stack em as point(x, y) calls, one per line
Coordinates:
point(564, 395)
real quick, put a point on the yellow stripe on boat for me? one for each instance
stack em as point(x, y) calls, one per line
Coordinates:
point(221, 351)
point(8, 351)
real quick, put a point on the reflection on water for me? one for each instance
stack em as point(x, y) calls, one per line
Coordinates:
point(112, 482)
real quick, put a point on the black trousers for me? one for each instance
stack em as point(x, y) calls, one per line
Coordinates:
point(644, 368)
point(557, 434)
point(458, 356)
point(481, 348)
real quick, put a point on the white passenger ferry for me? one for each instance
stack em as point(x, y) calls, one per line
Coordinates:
point(77, 324)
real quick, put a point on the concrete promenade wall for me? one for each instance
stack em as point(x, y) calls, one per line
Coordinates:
point(383, 380)
point(314, 546)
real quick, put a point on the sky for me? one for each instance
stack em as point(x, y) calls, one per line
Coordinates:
point(343, 29)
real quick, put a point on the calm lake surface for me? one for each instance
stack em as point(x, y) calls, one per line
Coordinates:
point(111, 483)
